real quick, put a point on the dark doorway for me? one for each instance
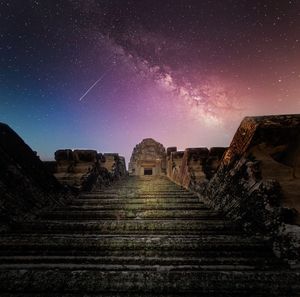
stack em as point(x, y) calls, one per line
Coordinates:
point(148, 171)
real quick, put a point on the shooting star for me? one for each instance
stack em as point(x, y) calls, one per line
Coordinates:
point(95, 83)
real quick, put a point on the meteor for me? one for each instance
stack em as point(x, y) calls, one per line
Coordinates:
point(95, 83)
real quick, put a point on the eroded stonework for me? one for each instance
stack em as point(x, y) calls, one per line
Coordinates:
point(258, 181)
point(148, 158)
point(86, 169)
point(194, 165)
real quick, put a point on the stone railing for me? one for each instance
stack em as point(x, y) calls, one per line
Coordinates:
point(257, 181)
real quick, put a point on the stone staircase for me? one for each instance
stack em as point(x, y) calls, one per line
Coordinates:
point(143, 237)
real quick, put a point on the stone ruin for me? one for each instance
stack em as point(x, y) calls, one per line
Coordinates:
point(182, 167)
point(26, 186)
point(194, 165)
point(148, 158)
point(29, 186)
point(256, 181)
point(84, 169)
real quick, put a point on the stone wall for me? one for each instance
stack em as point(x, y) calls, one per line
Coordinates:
point(258, 181)
point(193, 166)
point(169, 160)
point(26, 186)
point(174, 161)
point(255, 182)
point(86, 169)
point(115, 164)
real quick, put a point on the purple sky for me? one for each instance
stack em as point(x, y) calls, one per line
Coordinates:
point(105, 74)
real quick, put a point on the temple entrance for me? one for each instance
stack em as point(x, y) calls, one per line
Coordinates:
point(148, 171)
point(148, 158)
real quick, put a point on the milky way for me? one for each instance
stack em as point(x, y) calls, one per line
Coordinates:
point(105, 74)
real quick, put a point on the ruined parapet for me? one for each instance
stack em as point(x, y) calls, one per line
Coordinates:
point(122, 166)
point(176, 162)
point(148, 158)
point(86, 156)
point(115, 165)
point(213, 161)
point(26, 186)
point(71, 166)
point(86, 169)
point(258, 181)
point(110, 161)
point(170, 150)
point(64, 160)
point(193, 166)
point(84, 160)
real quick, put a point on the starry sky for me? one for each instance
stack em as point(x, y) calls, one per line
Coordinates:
point(104, 74)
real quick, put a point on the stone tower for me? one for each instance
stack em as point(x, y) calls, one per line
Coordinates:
point(148, 158)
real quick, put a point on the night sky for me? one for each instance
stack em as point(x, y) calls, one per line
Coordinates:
point(105, 74)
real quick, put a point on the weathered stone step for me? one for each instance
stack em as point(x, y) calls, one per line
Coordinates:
point(255, 255)
point(136, 206)
point(209, 263)
point(151, 190)
point(143, 241)
point(134, 246)
point(163, 279)
point(228, 293)
point(121, 266)
point(131, 214)
point(132, 294)
point(138, 195)
point(135, 201)
point(131, 226)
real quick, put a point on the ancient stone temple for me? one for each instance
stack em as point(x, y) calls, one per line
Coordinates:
point(148, 158)
point(221, 222)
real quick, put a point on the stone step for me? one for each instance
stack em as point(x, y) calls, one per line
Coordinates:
point(159, 279)
point(143, 237)
point(136, 206)
point(138, 195)
point(145, 201)
point(142, 241)
point(208, 263)
point(254, 256)
point(130, 226)
point(143, 189)
point(135, 246)
point(131, 214)
point(229, 293)
point(120, 265)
